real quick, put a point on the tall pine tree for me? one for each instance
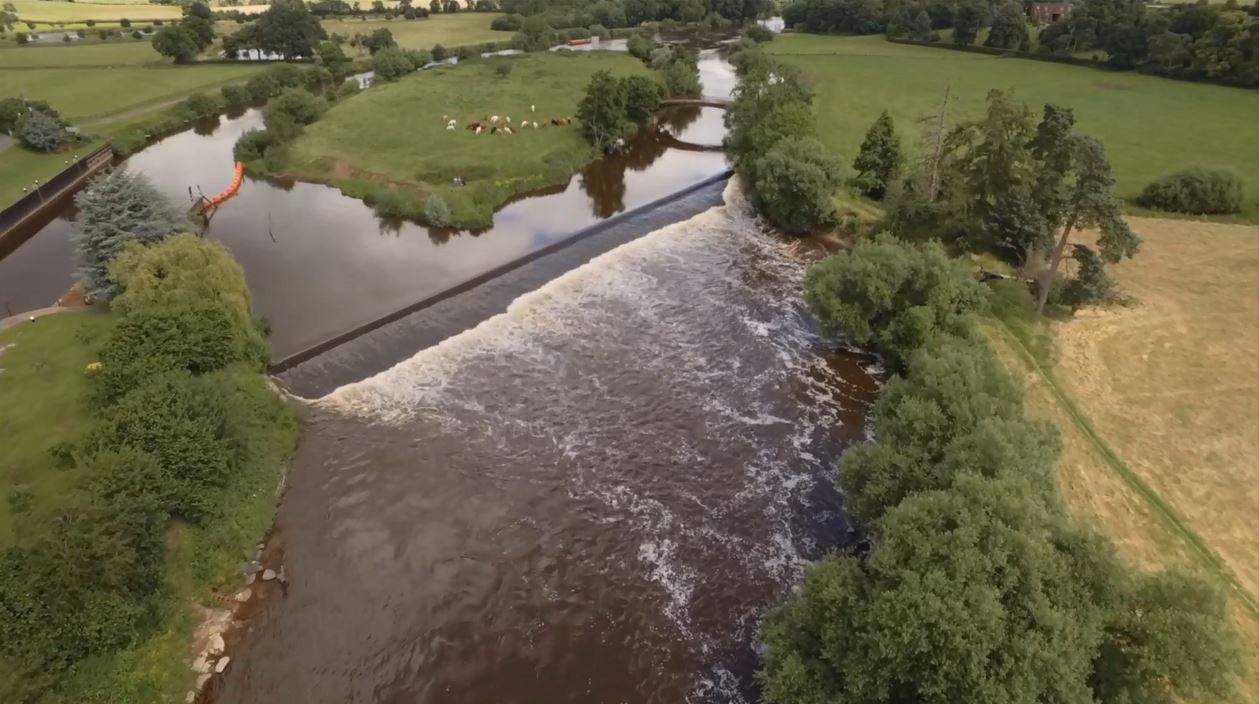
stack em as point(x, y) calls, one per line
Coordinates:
point(880, 160)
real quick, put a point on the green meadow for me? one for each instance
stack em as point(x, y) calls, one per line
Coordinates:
point(394, 137)
point(1150, 125)
point(459, 29)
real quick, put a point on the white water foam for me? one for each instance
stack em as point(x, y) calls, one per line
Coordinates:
point(708, 310)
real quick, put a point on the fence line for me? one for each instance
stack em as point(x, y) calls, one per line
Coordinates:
point(46, 193)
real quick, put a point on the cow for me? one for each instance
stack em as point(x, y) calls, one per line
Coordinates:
point(506, 130)
point(494, 119)
point(508, 118)
point(533, 108)
point(494, 129)
point(473, 126)
point(478, 129)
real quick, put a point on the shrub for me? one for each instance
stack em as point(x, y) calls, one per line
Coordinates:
point(390, 203)
point(124, 22)
point(391, 64)
point(640, 46)
point(436, 212)
point(169, 417)
point(296, 106)
point(508, 23)
point(598, 30)
point(1196, 191)
point(418, 57)
point(317, 76)
point(116, 210)
point(794, 184)
point(235, 95)
point(263, 85)
point(468, 53)
point(253, 144)
point(63, 455)
point(503, 69)
point(42, 132)
point(201, 105)
point(439, 52)
point(197, 339)
point(183, 271)
point(348, 87)
point(759, 33)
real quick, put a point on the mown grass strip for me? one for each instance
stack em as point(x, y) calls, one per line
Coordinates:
point(1165, 512)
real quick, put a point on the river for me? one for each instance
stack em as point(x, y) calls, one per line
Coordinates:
point(588, 498)
point(582, 481)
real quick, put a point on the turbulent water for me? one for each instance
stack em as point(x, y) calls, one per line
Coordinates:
point(591, 497)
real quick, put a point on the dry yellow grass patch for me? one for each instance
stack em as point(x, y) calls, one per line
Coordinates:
point(1171, 382)
point(1170, 385)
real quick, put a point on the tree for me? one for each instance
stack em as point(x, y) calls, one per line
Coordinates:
point(788, 119)
point(41, 132)
point(1091, 284)
point(893, 295)
point(954, 413)
point(759, 33)
point(176, 42)
point(642, 98)
point(920, 27)
point(200, 23)
point(380, 39)
point(534, 35)
point(183, 271)
point(977, 594)
point(967, 19)
point(1009, 27)
point(794, 185)
point(287, 28)
point(640, 46)
point(1091, 205)
point(1170, 641)
point(879, 161)
point(391, 64)
point(114, 210)
point(603, 112)
point(681, 78)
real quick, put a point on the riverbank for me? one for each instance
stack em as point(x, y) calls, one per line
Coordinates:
point(391, 144)
point(1156, 399)
point(117, 531)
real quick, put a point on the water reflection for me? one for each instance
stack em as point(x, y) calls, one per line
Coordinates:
point(320, 263)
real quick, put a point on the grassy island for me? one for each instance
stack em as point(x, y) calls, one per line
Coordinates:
point(392, 142)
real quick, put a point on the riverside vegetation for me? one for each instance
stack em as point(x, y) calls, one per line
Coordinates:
point(980, 585)
point(145, 451)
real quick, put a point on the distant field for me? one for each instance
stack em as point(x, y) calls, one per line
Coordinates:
point(447, 30)
point(1150, 125)
point(81, 94)
point(52, 11)
point(394, 135)
point(117, 52)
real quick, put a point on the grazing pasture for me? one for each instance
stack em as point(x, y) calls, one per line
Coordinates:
point(394, 136)
point(459, 29)
point(54, 11)
point(116, 52)
point(1151, 126)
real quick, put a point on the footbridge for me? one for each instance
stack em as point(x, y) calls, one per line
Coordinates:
point(699, 102)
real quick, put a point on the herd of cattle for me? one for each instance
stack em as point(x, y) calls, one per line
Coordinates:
point(502, 125)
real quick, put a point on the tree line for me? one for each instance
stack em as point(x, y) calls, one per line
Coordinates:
point(1191, 41)
point(979, 586)
point(184, 431)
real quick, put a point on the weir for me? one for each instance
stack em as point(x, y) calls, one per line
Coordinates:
point(387, 340)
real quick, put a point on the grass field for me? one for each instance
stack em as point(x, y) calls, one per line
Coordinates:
point(1150, 125)
point(83, 94)
point(42, 387)
point(448, 30)
point(1159, 405)
point(100, 100)
point(394, 136)
point(46, 11)
point(117, 52)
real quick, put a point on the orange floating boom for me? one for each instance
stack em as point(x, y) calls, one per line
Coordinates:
point(231, 189)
